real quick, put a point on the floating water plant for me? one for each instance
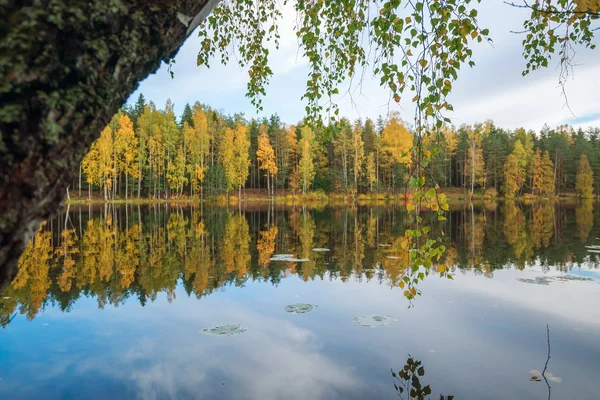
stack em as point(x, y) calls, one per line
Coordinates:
point(300, 308)
point(225, 330)
point(374, 320)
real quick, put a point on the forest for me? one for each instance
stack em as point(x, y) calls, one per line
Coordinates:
point(146, 152)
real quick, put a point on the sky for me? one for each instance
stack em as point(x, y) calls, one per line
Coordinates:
point(494, 89)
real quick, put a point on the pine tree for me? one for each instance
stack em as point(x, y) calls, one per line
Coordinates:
point(138, 108)
point(186, 116)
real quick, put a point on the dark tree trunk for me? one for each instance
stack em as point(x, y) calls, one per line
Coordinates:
point(66, 66)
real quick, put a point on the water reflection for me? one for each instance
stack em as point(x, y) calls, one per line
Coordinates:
point(120, 253)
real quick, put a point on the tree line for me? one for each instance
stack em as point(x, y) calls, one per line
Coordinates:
point(151, 153)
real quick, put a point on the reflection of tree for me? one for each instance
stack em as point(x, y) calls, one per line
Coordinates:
point(235, 247)
point(396, 258)
point(475, 235)
point(265, 246)
point(514, 231)
point(198, 263)
point(117, 255)
point(65, 253)
point(128, 256)
point(543, 223)
point(584, 217)
point(306, 234)
point(32, 281)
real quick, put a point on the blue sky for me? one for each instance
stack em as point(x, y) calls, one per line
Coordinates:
point(494, 89)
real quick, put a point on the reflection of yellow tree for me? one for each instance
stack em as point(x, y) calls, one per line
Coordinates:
point(127, 256)
point(513, 219)
point(32, 276)
point(93, 250)
point(266, 246)
point(198, 262)
point(543, 224)
point(396, 258)
point(176, 228)
point(371, 230)
point(584, 217)
point(514, 230)
point(303, 226)
point(306, 234)
point(106, 257)
point(154, 274)
point(68, 248)
point(450, 257)
point(235, 248)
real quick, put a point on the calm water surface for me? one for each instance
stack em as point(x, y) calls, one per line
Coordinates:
point(111, 302)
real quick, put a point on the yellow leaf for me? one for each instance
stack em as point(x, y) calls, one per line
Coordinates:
point(401, 284)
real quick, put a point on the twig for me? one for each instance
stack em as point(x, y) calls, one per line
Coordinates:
point(546, 366)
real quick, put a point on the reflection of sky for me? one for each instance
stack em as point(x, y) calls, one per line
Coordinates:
point(477, 337)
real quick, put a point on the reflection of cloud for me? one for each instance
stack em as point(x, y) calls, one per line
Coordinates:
point(274, 359)
point(538, 297)
point(548, 375)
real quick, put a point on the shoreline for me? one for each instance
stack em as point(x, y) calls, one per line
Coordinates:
point(320, 198)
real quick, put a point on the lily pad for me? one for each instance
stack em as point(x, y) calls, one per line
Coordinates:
point(299, 308)
point(225, 330)
point(374, 320)
point(547, 280)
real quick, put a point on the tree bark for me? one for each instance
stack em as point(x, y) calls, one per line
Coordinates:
point(65, 68)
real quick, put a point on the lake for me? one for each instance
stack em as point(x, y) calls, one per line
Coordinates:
point(174, 301)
